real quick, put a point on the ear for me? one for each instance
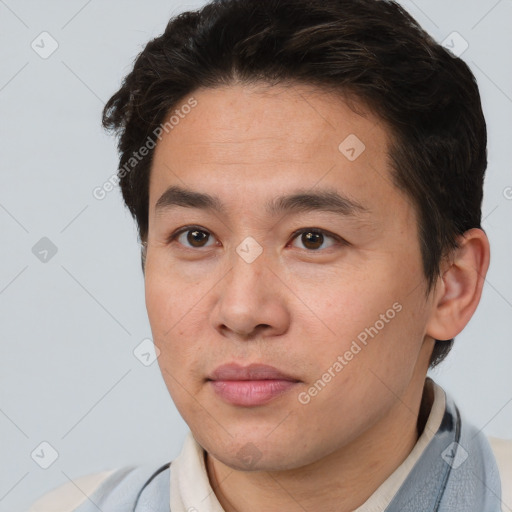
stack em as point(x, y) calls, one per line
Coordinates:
point(458, 290)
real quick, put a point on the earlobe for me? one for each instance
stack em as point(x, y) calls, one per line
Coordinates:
point(460, 286)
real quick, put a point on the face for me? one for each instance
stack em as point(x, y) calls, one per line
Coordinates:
point(327, 289)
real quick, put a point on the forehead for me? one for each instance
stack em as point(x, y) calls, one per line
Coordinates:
point(231, 119)
point(258, 140)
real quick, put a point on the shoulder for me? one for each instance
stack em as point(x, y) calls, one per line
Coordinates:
point(67, 497)
point(502, 449)
point(111, 489)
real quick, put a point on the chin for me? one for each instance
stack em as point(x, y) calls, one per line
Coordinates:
point(251, 452)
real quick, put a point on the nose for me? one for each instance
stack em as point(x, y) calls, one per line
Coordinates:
point(252, 300)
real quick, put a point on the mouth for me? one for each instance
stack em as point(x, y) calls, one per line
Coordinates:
point(252, 385)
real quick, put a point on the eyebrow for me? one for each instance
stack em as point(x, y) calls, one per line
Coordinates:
point(299, 201)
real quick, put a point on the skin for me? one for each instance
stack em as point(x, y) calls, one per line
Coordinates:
point(294, 307)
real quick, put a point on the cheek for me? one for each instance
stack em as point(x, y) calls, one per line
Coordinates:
point(159, 304)
point(168, 296)
point(345, 308)
point(367, 362)
point(178, 344)
point(376, 322)
point(168, 311)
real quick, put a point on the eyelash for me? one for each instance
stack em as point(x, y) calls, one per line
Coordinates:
point(294, 235)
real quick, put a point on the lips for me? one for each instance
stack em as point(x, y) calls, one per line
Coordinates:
point(250, 386)
point(233, 371)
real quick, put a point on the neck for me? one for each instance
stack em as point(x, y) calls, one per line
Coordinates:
point(340, 482)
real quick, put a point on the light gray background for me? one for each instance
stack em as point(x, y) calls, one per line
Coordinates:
point(69, 326)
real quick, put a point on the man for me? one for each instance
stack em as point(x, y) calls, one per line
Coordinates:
point(306, 177)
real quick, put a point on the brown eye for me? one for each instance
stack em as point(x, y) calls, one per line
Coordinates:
point(191, 237)
point(312, 239)
point(196, 238)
